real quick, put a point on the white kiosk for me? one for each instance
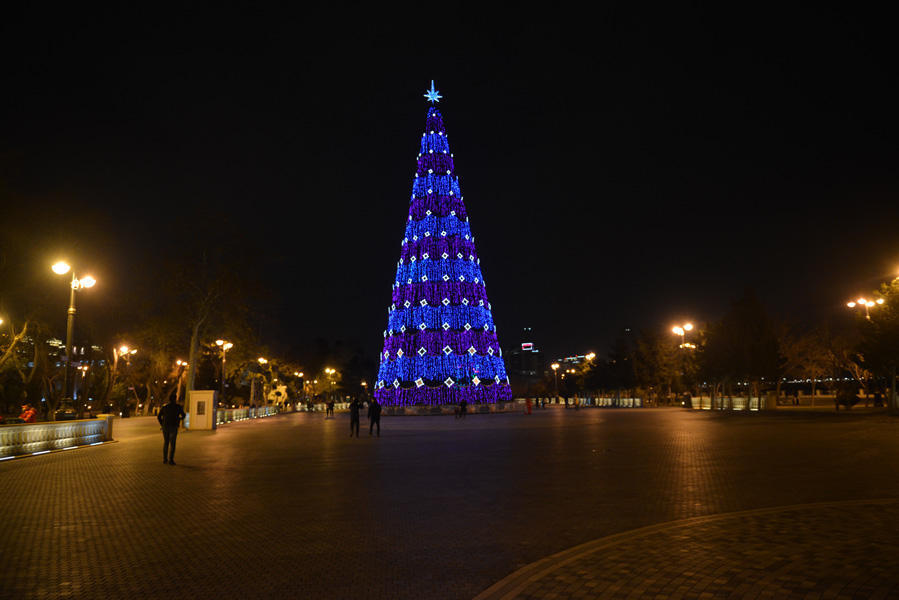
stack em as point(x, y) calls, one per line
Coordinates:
point(201, 405)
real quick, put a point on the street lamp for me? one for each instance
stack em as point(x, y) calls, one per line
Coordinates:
point(682, 330)
point(61, 268)
point(330, 372)
point(181, 364)
point(225, 346)
point(868, 304)
point(555, 368)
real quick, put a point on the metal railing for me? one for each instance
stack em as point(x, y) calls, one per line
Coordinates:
point(18, 439)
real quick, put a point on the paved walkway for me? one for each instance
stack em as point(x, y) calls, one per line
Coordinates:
point(437, 508)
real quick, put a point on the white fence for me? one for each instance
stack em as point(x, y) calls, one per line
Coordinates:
point(230, 415)
point(18, 439)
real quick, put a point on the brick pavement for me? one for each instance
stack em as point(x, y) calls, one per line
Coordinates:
point(435, 508)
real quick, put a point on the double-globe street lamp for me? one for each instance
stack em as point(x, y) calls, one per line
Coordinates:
point(330, 372)
point(61, 268)
point(225, 346)
point(868, 304)
point(302, 386)
point(181, 365)
point(555, 368)
point(682, 330)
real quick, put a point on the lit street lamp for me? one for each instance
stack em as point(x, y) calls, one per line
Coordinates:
point(330, 372)
point(302, 386)
point(181, 364)
point(225, 346)
point(868, 304)
point(61, 268)
point(555, 368)
point(682, 330)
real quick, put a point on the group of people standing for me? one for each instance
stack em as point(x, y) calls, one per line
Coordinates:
point(374, 416)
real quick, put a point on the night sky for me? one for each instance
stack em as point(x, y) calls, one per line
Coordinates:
point(624, 169)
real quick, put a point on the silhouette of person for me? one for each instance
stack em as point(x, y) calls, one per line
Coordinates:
point(354, 417)
point(170, 417)
point(374, 415)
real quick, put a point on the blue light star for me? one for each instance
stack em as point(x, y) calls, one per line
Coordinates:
point(433, 95)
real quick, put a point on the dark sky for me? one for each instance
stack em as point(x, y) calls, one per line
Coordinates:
point(627, 168)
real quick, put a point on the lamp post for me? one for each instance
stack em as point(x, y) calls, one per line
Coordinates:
point(225, 346)
point(555, 368)
point(262, 361)
point(61, 268)
point(868, 304)
point(126, 353)
point(302, 386)
point(330, 372)
point(181, 364)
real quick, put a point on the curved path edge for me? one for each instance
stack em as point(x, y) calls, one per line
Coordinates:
point(513, 584)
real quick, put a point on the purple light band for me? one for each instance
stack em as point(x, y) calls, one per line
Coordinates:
point(435, 341)
point(436, 245)
point(435, 291)
point(480, 394)
point(437, 162)
point(440, 205)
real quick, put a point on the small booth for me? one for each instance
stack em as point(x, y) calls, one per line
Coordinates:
point(201, 409)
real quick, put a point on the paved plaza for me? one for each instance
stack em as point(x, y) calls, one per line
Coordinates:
point(651, 503)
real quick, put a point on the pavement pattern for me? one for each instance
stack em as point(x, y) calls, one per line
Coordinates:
point(290, 506)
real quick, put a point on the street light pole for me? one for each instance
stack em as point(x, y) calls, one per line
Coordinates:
point(555, 368)
point(61, 268)
point(225, 346)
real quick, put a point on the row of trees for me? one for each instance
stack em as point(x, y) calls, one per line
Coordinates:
point(187, 298)
point(747, 353)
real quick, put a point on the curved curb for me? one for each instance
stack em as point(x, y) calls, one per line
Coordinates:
point(513, 584)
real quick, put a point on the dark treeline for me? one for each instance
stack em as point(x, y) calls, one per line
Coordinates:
point(141, 336)
point(748, 354)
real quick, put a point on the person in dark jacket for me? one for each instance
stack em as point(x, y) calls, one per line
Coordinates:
point(354, 417)
point(170, 417)
point(374, 415)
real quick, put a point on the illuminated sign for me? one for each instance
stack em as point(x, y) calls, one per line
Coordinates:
point(527, 346)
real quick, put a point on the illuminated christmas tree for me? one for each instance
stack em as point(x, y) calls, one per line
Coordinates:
point(440, 346)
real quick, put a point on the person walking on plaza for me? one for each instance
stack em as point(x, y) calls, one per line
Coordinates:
point(463, 408)
point(170, 417)
point(354, 417)
point(374, 415)
point(329, 412)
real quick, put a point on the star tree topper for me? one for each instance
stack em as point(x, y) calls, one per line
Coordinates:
point(432, 95)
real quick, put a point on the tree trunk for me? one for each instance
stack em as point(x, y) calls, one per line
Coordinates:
point(194, 356)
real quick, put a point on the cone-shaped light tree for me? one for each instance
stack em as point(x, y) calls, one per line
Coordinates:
point(440, 345)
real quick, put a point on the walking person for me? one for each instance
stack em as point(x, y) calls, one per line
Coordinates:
point(354, 417)
point(374, 416)
point(170, 417)
point(463, 408)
